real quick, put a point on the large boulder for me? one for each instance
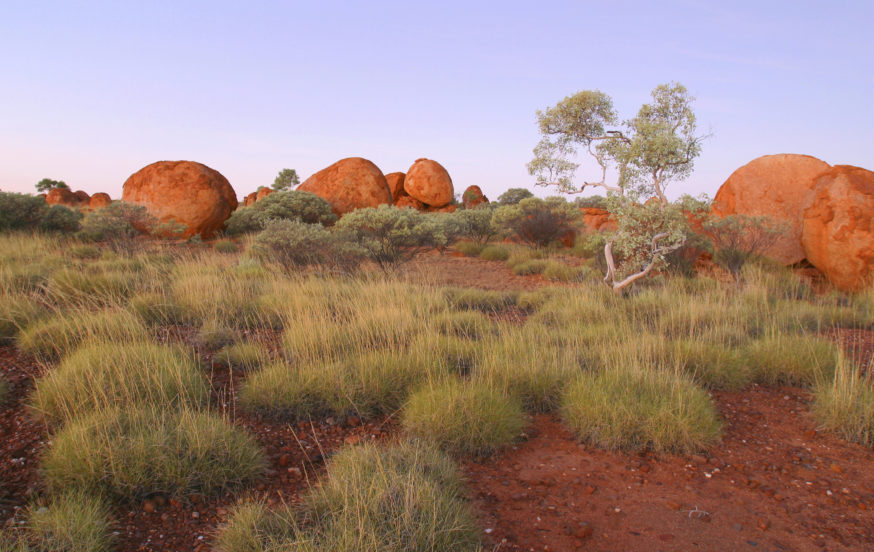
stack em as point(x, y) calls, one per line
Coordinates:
point(250, 199)
point(100, 199)
point(429, 182)
point(473, 196)
point(595, 219)
point(82, 198)
point(62, 196)
point(349, 184)
point(838, 227)
point(183, 192)
point(775, 186)
point(396, 184)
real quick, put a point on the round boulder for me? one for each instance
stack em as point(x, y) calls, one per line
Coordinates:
point(775, 186)
point(183, 192)
point(472, 197)
point(409, 202)
point(429, 182)
point(100, 199)
point(395, 184)
point(349, 184)
point(82, 198)
point(838, 227)
point(250, 199)
point(62, 196)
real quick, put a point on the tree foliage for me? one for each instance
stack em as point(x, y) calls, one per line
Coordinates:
point(26, 212)
point(390, 235)
point(285, 180)
point(514, 196)
point(47, 184)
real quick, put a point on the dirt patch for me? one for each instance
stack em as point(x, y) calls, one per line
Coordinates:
point(773, 483)
point(450, 270)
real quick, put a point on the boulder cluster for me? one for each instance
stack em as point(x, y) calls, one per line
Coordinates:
point(77, 199)
point(828, 212)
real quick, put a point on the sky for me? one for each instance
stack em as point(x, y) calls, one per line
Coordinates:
point(90, 92)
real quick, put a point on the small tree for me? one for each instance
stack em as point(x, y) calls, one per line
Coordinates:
point(514, 196)
point(295, 245)
point(536, 221)
point(285, 180)
point(47, 184)
point(655, 147)
point(738, 238)
point(390, 235)
point(478, 223)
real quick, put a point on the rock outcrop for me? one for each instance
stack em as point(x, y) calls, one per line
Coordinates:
point(595, 219)
point(98, 200)
point(62, 196)
point(82, 198)
point(429, 182)
point(776, 186)
point(396, 184)
point(183, 192)
point(349, 184)
point(406, 201)
point(472, 197)
point(838, 226)
point(250, 199)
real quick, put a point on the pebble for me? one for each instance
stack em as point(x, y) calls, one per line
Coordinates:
point(763, 524)
point(673, 505)
point(666, 537)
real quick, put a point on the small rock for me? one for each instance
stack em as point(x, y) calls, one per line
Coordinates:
point(673, 505)
point(285, 458)
point(589, 489)
point(763, 524)
point(835, 468)
point(666, 537)
point(584, 531)
point(698, 459)
point(149, 506)
point(353, 421)
point(195, 514)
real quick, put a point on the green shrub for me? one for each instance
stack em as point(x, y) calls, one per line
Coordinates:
point(293, 205)
point(118, 224)
point(72, 522)
point(100, 375)
point(156, 309)
point(133, 452)
point(368, 386)
point(791, 360)
point(59, 218)
point(20, 211)
point(470, 249)
point(845, 405)
point(241, 356)
point(479, 299)
point(389, 235)
point(536, 221)
point(468, 418)
point(225, 246)
point(295, 245)
point(477, 224)
point(494, 253)
point(591, 202)
point(52, 337)
point(514, 196)
point(638, 408)
point(527, 268)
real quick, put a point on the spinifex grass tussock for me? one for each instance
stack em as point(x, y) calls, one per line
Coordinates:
point(532, 372)
point(712, 365)
point(484, 300)
point(104, 374)
point(781, 359)
point(4, 390)
point(91, 288)
point(527, 268)
point(17, 311)
point(469, 249)
point(462, 417)
point(465, 324)
point(450, 354)
point(405, 497)
point(640, 408)
point(207, 289)
point(845, 405)
point(213, 335)
point(72, 521)
point(155, 308)
point(532, 300)
point(522, 255)
point(225, 246)
point(132, 452)
point(52, 337)
point(85, 252)
point(368, 385)
point(494, 253)
point(242, 356)
point(560, 272)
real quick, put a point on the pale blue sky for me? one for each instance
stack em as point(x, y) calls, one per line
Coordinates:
point(92, 91)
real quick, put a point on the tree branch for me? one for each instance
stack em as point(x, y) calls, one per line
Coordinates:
point(610, 278)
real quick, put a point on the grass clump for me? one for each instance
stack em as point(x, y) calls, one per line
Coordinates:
point(72, 522)
point(527, 268)
point(369, 385)
point(405, 497)
point(77, 286)
point(17, 311)
point(133, 452)
point(241, 356)
point(494, 253)
point(639, 408)
point(85, 252)
point(450, 354)
point(225, 246)
point(155, 308)
point(467, 418)
point(560, 272)
point(484, 300)
point(103, 374)
point(52, 337)
point(469, 249)
point(713, 365)
point(792, 360)
point(212, 336)
point(4, 390)
point(464, 324)
point(845, 405)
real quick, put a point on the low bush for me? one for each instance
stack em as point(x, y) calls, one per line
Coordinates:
point(130, 453)
point(514, 196)
point(71, 522)
point(845, 405)
point(368, 386)
point(467, 418)
point(50, 338)
point(119, 223)
point(241, 356)
point(20, 211)
point(405, 497)
point(536, 221)
point(470, 249)
point(100, 375)
point(477, 224)
point(640, 408)
point(487, 301)
point(389, 235)
point(295, 245)
point(791, 360)
point(58, 218)
point(527, 268)
point(494, 253)
point(292, 205)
